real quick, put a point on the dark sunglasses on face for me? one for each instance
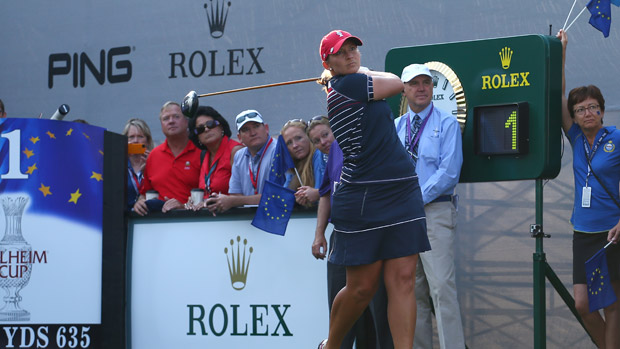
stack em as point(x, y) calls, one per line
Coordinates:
point(242, 118)
point(211, 124)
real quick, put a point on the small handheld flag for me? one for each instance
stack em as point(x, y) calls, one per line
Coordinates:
point(275, 208)
point(600, 18)
point(600, 292)
point(280, 163)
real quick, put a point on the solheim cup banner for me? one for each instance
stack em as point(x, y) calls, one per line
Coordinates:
point(51, 186)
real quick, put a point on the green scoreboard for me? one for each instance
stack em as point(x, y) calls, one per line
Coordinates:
point(506, 94)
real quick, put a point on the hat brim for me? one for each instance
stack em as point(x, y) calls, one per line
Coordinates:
point(338, 44)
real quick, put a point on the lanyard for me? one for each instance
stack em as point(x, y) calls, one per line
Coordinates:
point(208, 177)
point(135, 179)
point(417, 136)
point(255, 180)
point(587, 150)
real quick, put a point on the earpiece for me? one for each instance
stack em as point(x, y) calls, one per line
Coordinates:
point(598, 112)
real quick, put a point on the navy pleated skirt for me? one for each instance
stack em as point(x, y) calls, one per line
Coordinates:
point(377, 221)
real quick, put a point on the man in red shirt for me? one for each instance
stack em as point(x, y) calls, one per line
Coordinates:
point(173, 167)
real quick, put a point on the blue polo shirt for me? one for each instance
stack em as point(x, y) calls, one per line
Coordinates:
point(240, 182)
point(603, 214)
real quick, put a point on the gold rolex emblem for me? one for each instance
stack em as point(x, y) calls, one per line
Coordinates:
point(505, 55)
point(238, 265)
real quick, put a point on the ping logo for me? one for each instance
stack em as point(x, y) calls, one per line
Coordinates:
point(505, 55)
point(237, 264)
point(217, 16)
point(506, 80)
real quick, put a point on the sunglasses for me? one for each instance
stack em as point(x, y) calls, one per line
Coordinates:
point(242, 118)
point(316, 119)
point(211, 124)
point(296, 120)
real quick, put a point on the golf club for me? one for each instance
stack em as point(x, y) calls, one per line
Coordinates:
point(190, 102)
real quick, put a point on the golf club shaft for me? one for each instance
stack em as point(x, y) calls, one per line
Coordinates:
point(259, 87)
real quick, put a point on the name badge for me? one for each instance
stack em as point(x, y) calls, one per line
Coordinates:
point(586, 195)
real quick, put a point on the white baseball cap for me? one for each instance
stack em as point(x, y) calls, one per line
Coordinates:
point(413, 70)
point(247, 116)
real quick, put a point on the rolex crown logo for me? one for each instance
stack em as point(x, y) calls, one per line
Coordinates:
point(435, 80)
point(217, 15)
point(238, 265)
point(505, 55)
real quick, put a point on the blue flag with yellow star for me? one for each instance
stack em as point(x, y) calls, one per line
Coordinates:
point(280, 163)
point(275, 208)
point(58, 164)
point(600, 292)
point(600, 11)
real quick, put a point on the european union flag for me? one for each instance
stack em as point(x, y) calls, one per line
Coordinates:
point(600, 292)
point(600, 11)
point(274, 210)
point(280, 163)
point(58, 164)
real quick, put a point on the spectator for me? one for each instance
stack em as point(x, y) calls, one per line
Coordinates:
point(309, 163)
point(209, 131)
point(596, 206)
point(137, 132)
point(250, 165)
point(173, 167)
point(436, 136)
point(320, 133)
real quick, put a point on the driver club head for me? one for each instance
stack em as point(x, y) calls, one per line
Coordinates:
point(190, 104)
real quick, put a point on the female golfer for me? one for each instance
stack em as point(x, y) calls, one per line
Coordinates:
point(377, 209)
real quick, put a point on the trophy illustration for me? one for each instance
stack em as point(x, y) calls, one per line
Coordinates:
point(15, 260)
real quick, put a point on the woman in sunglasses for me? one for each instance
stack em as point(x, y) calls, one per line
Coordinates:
point(377, 209)
point(309, 163)
point(210, 132)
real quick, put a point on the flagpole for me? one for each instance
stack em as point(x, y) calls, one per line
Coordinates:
point(609, 243)
point(297, 173)
point(571, 23)
point(569, 13)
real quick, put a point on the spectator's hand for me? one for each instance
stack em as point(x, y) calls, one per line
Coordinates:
point(218, 203)
point(189, 205)
point(306, 195)
point(614, 234)
point(171, 204)
point(563, 37)
point(319, 246)
point(140, 207)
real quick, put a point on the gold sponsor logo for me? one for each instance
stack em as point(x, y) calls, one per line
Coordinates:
point(506, 80)
point(238, 263)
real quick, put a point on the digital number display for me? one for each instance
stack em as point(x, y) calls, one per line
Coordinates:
point(501, 129)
